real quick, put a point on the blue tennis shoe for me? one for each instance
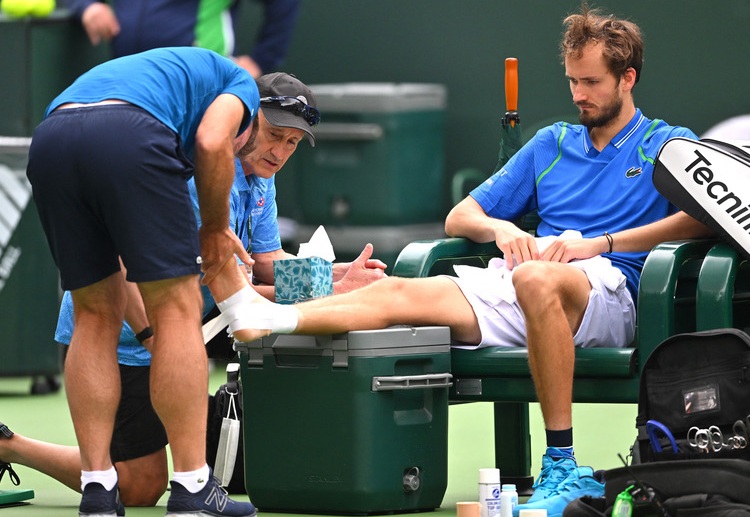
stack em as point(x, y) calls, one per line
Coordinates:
point(580, 481)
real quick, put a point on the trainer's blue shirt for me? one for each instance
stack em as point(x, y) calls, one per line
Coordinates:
point(176, 85)
point(253, 216)
point(573, 186)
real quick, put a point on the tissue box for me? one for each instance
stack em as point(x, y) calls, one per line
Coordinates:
point(300, 279)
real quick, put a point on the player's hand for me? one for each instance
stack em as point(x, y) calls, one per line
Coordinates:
point(565, 250)
point(363, 271)
point(517, 246)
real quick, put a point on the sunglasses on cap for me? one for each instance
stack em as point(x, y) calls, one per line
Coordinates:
point(296, 106)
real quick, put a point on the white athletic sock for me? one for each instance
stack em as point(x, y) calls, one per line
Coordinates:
point(106, 478)
point(194, 481)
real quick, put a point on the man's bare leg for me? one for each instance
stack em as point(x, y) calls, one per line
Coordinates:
point(390, 301)
point(179, 367)
point(92, 377)
point(61, 462)
point(553, 297)
point(142, 481)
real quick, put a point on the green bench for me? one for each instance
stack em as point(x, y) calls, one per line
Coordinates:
point(666, 306)
point(723, 290)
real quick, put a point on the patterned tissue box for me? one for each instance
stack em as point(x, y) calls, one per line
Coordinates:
point(299, 279)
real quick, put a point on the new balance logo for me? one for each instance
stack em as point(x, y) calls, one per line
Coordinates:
point(15, 192)
point(217, 498)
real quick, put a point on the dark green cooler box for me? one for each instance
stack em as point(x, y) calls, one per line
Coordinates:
point(354, 423)
point(379, 156)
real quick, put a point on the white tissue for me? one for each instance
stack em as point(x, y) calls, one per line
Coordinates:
point(319, 245)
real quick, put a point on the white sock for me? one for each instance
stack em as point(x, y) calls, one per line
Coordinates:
point(194, 481)
point(106, 478)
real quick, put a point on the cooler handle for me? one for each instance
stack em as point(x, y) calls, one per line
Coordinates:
point(347, 131)
point(412, 382)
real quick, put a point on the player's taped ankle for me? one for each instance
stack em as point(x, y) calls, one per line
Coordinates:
point(245, 295)
point(242, 312)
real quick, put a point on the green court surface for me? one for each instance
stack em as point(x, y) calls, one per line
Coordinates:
point(601, 432)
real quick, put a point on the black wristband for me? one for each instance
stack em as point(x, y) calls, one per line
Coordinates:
point(610, 240)
point(5, 431)
point(144, 334)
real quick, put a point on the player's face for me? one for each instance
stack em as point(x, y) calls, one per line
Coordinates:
point(595, 90)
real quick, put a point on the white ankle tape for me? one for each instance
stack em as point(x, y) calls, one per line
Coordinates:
point(246, 294)
point(280, 319)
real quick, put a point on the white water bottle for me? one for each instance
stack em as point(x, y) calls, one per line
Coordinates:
point(489, 492)
point(508, 500)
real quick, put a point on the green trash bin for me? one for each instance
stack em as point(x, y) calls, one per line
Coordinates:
point(379, 156)
point(29, 292)
point(347, 424)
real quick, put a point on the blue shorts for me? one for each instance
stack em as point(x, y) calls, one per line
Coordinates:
point(109, 181)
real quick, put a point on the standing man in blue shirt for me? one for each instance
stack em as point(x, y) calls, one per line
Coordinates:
point(138, 446)
point(109, 166)
point(133, 26)
point(593, 178)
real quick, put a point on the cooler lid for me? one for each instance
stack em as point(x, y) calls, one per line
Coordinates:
point(392, 341)
point(378, 97)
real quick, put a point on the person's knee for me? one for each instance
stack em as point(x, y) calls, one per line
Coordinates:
point(142, 490)
point(143, 480)
point(535, 284)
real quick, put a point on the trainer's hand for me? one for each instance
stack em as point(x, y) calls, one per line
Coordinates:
point(100, 23)
point(217, 248)
point(363, 271)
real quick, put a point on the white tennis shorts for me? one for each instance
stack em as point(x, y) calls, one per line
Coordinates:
point(609, 320)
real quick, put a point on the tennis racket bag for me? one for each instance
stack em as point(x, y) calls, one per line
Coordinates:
point(694, 398)
point(710, 181)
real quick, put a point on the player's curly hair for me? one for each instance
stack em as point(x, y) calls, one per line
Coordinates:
point(623, 43)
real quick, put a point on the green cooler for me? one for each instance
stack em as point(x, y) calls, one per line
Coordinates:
point(379, 156)
point(354, 423)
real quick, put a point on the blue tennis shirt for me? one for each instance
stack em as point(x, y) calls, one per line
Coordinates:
point(174, 84)
point(573, 186)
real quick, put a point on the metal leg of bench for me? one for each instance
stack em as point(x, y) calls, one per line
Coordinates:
point(513, 444)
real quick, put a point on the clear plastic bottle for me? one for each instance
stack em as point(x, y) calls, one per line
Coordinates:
point(508, 500)
point(489, 492)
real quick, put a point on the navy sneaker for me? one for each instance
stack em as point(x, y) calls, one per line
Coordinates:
point(6, 467)
point(580, 482)
point(212, 501)
point(96, 502)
